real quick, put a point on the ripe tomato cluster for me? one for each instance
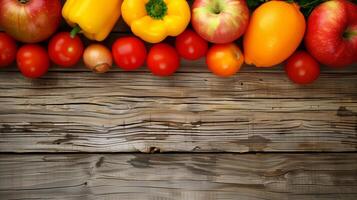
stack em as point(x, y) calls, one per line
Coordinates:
point(129, 53)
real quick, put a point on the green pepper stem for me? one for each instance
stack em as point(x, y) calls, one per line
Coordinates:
point(156, 9)
point(75, 31)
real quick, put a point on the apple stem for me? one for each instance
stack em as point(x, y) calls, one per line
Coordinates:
point(216, 8)
point(23, 1)
point(349, 34)
point(75, 31)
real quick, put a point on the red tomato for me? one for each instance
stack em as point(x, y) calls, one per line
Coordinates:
point(33, 60)
point(129, 53)
point(224, 59)
point(7, 50)
point(163, 60)
point(302, 68)
point(190, 45)
point(64, 50)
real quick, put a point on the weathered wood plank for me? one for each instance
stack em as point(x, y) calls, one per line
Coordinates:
point(179, 177)
point(130, 112)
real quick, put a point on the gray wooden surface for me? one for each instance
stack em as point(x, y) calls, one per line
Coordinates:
point(75, 111)
point(179, 176)
point(193, 111)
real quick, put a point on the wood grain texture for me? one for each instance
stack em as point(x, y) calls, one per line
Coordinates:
point(131, 112)
point(179, 176)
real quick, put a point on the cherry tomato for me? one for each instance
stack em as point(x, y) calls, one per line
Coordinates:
point(32, 60)
point(302, 68)
point(224, 59)
point(7, 50)
point(129, 53)
point(190, 45)
point(65, 50)
point(163, 60)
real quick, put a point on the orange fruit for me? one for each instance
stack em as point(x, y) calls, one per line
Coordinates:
point(224, 59)
point(275, 31)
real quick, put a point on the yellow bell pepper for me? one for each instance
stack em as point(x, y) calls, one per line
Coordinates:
point(92, 17)
point(154, 20)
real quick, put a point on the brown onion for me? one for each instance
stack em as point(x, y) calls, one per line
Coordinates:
point(98, 58)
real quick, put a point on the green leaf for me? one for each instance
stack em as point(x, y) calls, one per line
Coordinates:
point(306, 6)
point(252, 4)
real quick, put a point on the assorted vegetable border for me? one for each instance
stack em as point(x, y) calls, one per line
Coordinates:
point(301, 34)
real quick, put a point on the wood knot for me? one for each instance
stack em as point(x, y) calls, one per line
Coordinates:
point(67, 138)
point(154, 150)
point(100, 162)
point(344, 112)
point(196, 123)
point(197, 148)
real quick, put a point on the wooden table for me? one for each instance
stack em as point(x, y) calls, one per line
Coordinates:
point(193, 136)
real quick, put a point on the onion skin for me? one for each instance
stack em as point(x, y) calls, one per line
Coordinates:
point(30, 21)
point(98, 58)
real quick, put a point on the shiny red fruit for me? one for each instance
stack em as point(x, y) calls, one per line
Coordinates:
point(32, 60)
point(65, 50)
point(302, 68)
point(331, 35)
point(30, 21)
point(163, 60)
point(190, 45)
point(129, 53)
point(7, 50)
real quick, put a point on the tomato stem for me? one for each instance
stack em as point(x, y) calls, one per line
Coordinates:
point(75, 31)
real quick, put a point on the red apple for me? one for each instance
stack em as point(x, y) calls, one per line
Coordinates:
point(331, 35)
point(30, 20)
point(220, 21)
